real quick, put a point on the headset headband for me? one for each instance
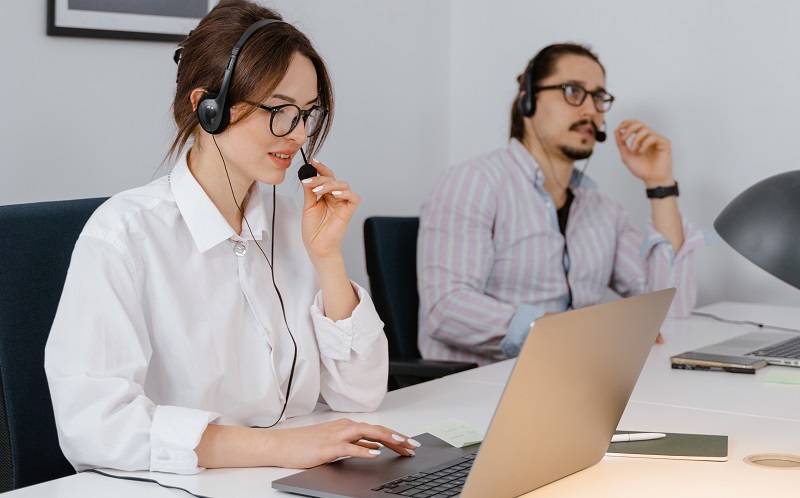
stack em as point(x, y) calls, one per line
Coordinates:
point(226, 79)
point(212, 111)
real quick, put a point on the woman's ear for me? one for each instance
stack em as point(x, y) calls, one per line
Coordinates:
point(196, 96)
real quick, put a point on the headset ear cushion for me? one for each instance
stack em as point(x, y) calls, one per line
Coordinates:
point(527, 104)
point(208, 111)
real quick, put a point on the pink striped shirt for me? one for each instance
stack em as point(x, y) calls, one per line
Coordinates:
point(491, 258)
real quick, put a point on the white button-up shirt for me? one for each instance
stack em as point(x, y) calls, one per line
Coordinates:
point(169, 321)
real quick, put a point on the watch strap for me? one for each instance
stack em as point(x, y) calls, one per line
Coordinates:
point(661, 192)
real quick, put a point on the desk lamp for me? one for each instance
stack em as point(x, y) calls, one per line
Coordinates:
point(763, 225)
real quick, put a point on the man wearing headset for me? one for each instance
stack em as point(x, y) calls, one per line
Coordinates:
point(517, 233)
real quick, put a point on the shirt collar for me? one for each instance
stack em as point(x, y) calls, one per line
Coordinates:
point(525, 160)
point(206, 224)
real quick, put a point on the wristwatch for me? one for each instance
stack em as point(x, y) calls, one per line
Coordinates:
point(661, 192)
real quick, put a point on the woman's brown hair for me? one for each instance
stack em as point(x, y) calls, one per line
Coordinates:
point(262, 64)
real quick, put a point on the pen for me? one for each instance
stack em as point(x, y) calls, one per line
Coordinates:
point(639, 436)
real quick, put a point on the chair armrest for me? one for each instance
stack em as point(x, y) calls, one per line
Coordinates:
point(429, 369)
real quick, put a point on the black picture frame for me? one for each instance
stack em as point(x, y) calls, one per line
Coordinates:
point(151, 20)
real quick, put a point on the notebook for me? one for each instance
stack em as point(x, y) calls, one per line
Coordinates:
point(551, 421)
point(676, 446)
point(777, 348)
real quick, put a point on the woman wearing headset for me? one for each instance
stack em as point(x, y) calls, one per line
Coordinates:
point(193, 317)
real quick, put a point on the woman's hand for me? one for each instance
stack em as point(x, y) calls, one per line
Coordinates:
point(328, 206)
point(306, 447)
point(226, 446)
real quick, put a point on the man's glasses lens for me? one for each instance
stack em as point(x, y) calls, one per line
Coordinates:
point(575, 95)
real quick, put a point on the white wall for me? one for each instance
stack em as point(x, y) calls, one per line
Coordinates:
point(83, 117)
point(718, 78)
point(389, 132)
point(91, 117)
point(421, 84)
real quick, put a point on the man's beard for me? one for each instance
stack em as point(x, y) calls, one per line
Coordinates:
point(575, 153)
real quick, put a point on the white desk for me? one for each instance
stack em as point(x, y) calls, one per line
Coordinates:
point(758, 418)
point(745, 394)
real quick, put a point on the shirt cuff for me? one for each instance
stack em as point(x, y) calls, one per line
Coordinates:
point(692, 239)
point(521, 324)
point(355, 334)
point(174, 434)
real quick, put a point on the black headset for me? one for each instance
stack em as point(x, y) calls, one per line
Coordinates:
point(213, 112)
point(527, 101)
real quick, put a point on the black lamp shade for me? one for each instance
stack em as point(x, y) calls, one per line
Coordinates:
point(763, 225)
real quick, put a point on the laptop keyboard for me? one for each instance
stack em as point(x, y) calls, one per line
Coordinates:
point(785, 349)
point(441, 481)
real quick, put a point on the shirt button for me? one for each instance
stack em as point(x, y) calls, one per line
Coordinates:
point(239, 249)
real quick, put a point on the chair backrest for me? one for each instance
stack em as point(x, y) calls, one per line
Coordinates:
point(390, 245)
point(36, 243)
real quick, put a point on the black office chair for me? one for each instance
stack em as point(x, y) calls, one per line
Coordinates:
point(36, 242)
point(390, 245)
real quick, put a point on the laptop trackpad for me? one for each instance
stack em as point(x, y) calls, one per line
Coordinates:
point(352, 476)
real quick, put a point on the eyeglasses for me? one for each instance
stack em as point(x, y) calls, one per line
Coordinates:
point(576, 94)
point(284, 118)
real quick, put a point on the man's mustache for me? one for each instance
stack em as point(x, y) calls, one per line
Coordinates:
point(583, 122)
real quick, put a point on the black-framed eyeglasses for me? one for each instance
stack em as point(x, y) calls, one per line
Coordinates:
point(575, 94)
point(284, 118)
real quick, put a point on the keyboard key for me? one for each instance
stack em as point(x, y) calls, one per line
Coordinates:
point(446, 481)
point(399, 489)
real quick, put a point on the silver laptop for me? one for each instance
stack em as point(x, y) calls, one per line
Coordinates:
point(525, 446)
point(777, 348)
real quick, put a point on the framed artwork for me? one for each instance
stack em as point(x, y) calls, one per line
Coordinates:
point(158, 20)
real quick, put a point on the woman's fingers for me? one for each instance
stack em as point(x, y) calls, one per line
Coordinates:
point(367, 444)
point(321, 168)
point(325, 185)
point(316, 444)
point(393, 440)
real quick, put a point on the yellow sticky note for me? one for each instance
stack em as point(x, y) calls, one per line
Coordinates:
point(782, 376)
point(456, 433)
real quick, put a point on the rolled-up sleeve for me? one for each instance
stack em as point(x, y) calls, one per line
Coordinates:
point(521, 324)
point(354, 356)
point(648, 262)
point(174, 434)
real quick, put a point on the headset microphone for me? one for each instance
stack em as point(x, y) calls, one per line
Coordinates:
point(600, 135)
point(306, 170)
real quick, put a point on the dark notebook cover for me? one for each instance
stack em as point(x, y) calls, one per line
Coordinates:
point(675, 446)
